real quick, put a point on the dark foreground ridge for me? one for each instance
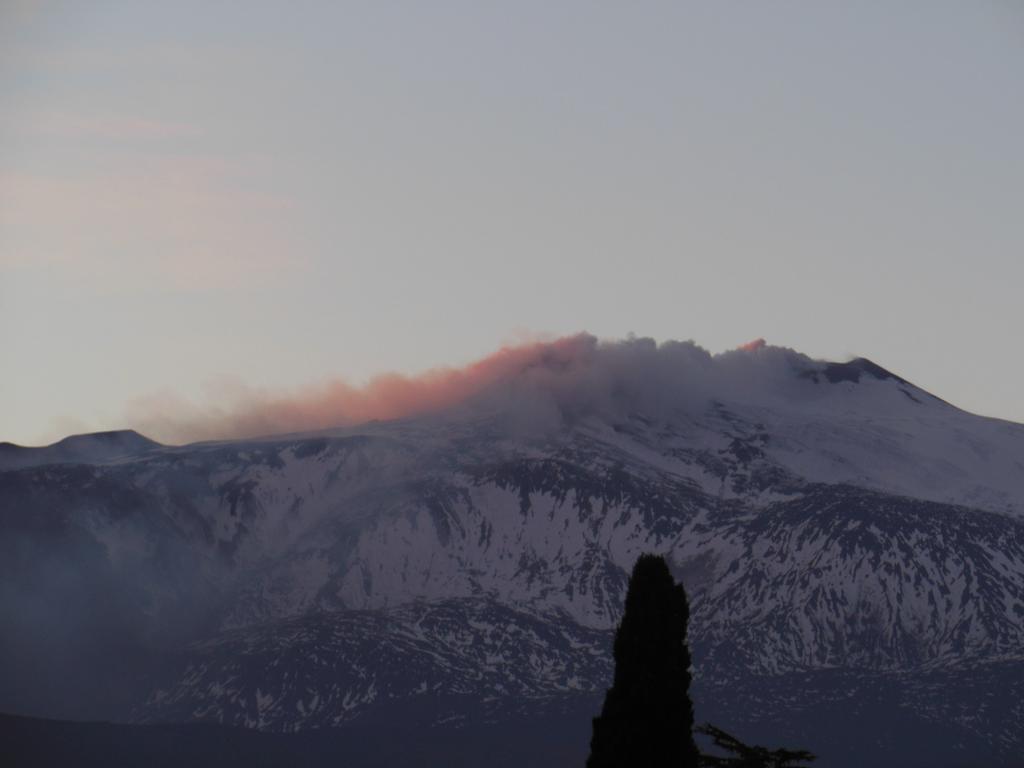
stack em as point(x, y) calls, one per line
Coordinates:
point(405, 743)
point(399, 737)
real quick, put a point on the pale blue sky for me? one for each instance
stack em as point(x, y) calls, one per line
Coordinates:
point(279, 193)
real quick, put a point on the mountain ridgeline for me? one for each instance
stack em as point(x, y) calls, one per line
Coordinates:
point(852, 547)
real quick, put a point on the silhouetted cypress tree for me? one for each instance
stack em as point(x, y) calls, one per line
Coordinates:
point(647, 718)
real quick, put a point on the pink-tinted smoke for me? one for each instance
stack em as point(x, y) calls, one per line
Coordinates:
point(249, 413)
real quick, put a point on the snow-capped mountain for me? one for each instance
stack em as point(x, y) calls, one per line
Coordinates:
point(848, 541)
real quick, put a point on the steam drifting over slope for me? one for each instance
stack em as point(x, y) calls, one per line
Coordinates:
point(538, 382)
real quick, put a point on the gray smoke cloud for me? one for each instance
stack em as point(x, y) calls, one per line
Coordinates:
point(564, 377)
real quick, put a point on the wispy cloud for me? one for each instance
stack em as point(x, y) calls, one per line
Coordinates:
point(189, 223)
point(107, 126)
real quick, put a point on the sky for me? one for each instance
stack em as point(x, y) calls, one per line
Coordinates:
point(199, 199)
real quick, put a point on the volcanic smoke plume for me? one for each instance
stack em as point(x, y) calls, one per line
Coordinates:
point(540, 381)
